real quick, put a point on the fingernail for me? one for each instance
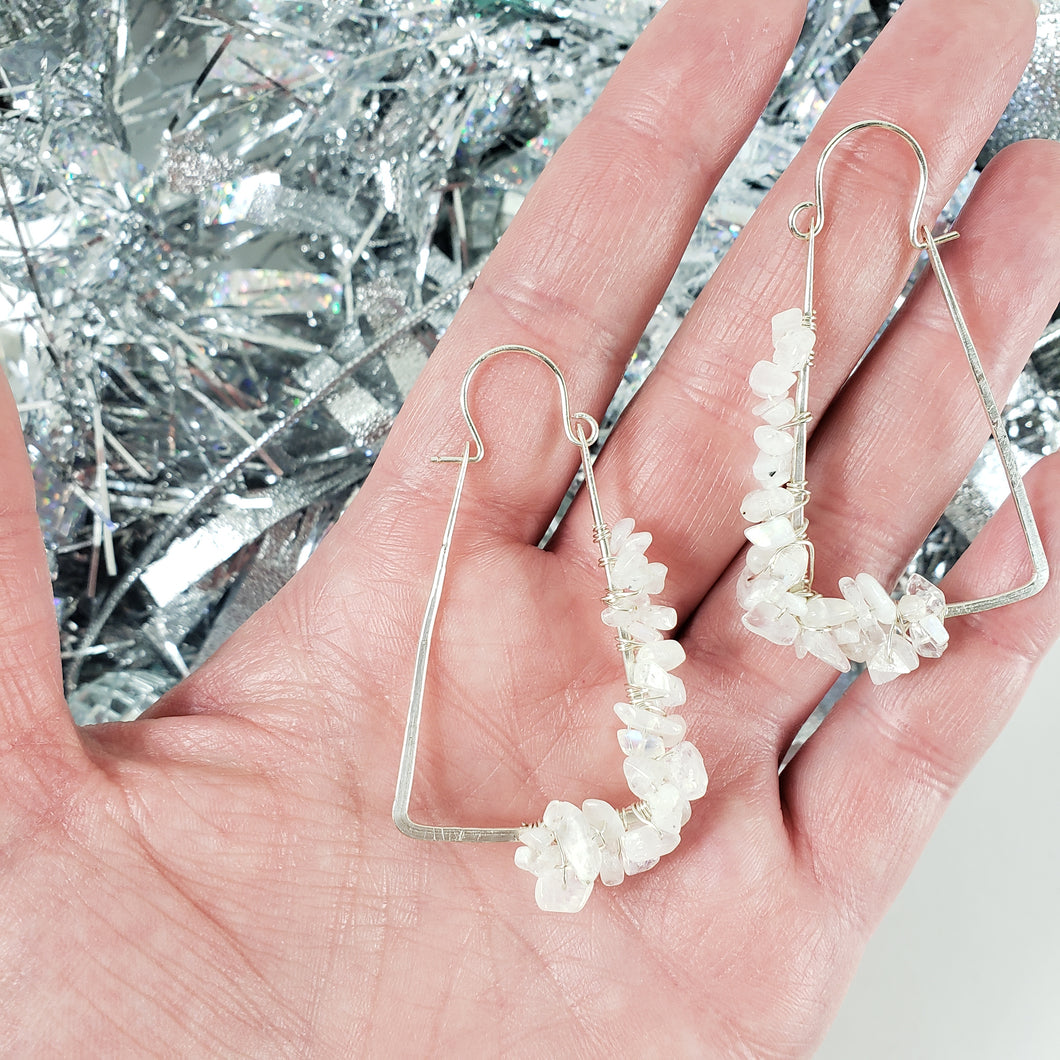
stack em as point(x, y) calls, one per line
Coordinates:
point(1036, 4)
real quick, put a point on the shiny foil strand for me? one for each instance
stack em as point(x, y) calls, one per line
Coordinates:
point(230, 237)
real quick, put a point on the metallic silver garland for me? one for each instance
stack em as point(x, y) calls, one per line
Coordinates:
point(229, 238)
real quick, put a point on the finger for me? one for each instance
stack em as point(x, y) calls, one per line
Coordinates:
point(894, 447)
point(584, 264)
point(33, 711)
point(865, 792)
point(681, 453)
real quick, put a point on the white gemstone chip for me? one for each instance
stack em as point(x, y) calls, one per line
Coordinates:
point(773, 441)
point(769, 380)
point(753, 589)
point(686, 771)
point(785, 322)
point(668, 808)
point(774, 533)
point(763, 504)
point(607, 826)
point(823, 644)
point(773, 470)
point(575, 839)
point(791, 351)
point(894, 658)
point(636, 742)
point(670, 728)
point(878, 599)
point(769, 621)
point(644, 845)
point(776, 411)
point(562, 892)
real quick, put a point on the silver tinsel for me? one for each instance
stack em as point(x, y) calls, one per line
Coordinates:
point(230, 236)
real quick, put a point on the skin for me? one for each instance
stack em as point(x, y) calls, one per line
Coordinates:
point(222, 877)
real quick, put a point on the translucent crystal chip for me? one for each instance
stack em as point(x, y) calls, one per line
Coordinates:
point(774, 533)
point(773, 441)
point(686, 771)
point(763, 504)
point(785, 322)
point(770, 381)
point(643, 845)
point(562, 891)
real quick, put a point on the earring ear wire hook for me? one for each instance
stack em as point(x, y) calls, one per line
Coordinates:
point(569, 418)
point(818, 187)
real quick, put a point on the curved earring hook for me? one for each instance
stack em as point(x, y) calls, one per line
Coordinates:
point(580, 439)
point(818, 186)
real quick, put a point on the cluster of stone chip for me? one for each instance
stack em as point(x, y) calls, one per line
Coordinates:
point(864, 624)
point(572, 847)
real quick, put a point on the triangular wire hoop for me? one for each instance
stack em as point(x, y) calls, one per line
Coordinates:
point(1004, 450)
point(662, 769)
point(776, 589)
point(921, 238)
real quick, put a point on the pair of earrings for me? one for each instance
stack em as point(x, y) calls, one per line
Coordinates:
point(572, 847)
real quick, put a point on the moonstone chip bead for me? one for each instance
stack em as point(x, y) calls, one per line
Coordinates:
point(607, 825)
point(773, 470)
point(633, 571)
point(929, 637)
point(894, 658)
point(758, 558)
point(625, 539)
point(754, 589)
point(686, 771)
point(769, 380)
point(785, 322)
point(645, 775)
point(774, 533)
point(769, 621)
point(631, 568)
point(860, 641)
point(635, 742)
point(665, 653)
point(670, 728)
point(792, 350)
point(822, 644)
point(775, 411)
point(575, 838)
point(878, 599)
point(644, 845)
point(668, 808)
point(773, 441)
point(790, 564)
point(763, 504)
point(920, 589)
point(539, 853)
point(640, 617)
point(665, 689)
point(823, 612)
point(562, 892)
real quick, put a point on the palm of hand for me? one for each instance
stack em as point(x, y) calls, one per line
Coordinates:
point(247, 890)
point(223, 876)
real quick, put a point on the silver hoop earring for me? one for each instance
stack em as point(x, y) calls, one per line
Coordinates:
point(572, 847)
point(776, 589)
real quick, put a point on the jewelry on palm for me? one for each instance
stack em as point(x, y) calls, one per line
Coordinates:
point(572, 847)
point(864, 624)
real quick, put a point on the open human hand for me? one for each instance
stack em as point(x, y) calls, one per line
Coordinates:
point(222, 877)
